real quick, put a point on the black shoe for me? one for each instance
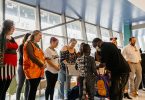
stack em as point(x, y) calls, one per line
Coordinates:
point(126, 95)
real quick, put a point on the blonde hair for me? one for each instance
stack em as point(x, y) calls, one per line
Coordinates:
point(34, 33)
point(72, 40)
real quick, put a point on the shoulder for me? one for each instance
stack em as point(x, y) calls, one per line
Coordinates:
point(126, 47)
point(64, 48)
point(48, 50)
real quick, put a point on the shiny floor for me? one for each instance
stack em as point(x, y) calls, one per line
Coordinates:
point(140, 97)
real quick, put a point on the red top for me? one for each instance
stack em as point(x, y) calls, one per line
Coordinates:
point(10, 56)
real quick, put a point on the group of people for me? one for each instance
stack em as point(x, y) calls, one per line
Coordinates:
point(34, 63)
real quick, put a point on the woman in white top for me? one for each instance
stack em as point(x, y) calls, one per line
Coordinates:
point(52, 69)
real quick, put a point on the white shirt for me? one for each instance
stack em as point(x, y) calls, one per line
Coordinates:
point(131, 53)
point(53, 56)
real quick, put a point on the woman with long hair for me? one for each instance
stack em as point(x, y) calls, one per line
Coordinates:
point(21, 75)
point(8, 60)
point(33, 63)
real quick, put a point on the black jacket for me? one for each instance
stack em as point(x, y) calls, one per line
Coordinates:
point(113, 58)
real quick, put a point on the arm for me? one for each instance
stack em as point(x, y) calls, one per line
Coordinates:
point(94, 66)
point(48, 59)
point(52, 64)
point(63, 55)
point(124, 53)
point(31, 55)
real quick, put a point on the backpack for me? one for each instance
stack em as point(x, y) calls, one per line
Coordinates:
point(102, 85)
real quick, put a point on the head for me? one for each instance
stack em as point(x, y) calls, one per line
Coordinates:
point(101, 68)
point(8, 27)
point(97, 42)
point(132, 41)
point(36, 36)
point(72, 43)
point(114, 40)
point(53, 42)
point(81, 46)
point(27, 35)
point(86, 49)
point(102, 65)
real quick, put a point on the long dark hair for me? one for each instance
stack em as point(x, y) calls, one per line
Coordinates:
point(26, 37)
point(7, 25)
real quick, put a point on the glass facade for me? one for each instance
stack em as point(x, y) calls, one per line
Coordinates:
point(105, 35)
point(1, 13)
point(24, 17)
point(140, 36)
point(74, 29)
point(91, 32)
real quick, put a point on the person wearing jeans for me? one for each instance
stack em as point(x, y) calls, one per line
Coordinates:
point(52, 68)
point(68, 55)
point(21, 75)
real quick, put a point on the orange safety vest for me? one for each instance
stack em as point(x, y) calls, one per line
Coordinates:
point(31, 69)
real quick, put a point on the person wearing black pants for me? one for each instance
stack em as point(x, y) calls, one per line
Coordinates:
point(50, 84)
point(20, 71)
point(117, 86)
point(52, 68)
point(33, 84)
point(115, 62)
point(4, 85)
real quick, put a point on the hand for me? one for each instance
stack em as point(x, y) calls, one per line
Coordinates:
point(44, 65)
point(128, 62)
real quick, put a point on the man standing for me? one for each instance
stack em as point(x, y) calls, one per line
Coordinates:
point(132, 55)
point(116, 63)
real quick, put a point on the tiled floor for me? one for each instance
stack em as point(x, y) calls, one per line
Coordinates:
point(140, 97)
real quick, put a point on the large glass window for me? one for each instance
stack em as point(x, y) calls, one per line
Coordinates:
point(22, 15)
point(140, 36)
point(49, 19)
point(105, 35)
point(1, 14)
point(91, 31)
point(74, 29)
point(46, 42)
point(115, 34)
point(19, 32)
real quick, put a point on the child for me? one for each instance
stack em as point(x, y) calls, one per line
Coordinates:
point(87, 70)
point(102, 81)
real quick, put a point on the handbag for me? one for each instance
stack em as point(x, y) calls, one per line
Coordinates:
point(72, 70)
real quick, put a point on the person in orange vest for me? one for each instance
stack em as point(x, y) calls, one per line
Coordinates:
point(33, 63)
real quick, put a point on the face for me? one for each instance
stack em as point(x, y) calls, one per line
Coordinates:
point(11, 30)
point(88, 51)
point(55, 43)
point(133, 41)
point(114, 41)
point(94, 44)
point(38, 37)
point(73, 44)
